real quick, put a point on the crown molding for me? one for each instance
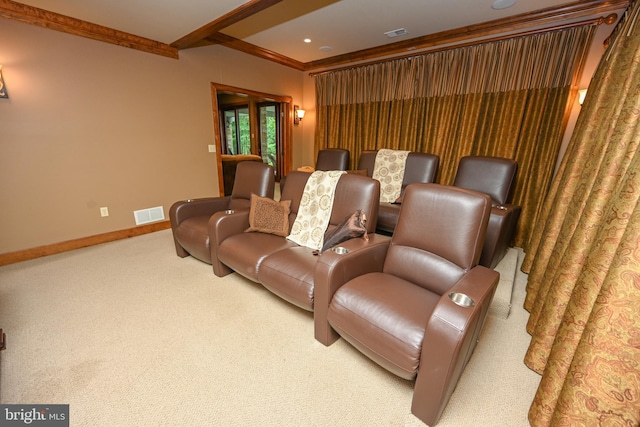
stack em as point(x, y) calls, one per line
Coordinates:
point(55, 21)
point(544, 20)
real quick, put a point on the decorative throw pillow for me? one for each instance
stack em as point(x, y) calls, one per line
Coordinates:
point(269, 216)
point(353, 226)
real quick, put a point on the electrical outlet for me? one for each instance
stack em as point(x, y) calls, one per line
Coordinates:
point(104, 211)
point(212, 148)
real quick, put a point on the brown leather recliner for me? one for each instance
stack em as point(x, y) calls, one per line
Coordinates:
point(328, 159)
point(281, 266)
point(419, 312)
point(333, 159)
point(420, 167)
point(496, 177)
point(230, 163)
point(190, 218)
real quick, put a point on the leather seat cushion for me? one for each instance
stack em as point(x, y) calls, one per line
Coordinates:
point(193, 236)
point(245, 252)
point(384, 317)
point(289, 274)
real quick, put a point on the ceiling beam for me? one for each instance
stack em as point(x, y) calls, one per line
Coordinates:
point(254, 50)
point(55, 21)
point(246, 10)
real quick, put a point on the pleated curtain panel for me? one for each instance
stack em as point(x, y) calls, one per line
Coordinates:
point(583, 257)
point(507, 99)
point(580, 230)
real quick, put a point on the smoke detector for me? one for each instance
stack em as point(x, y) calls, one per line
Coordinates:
point(503, 4)
point(396, 33)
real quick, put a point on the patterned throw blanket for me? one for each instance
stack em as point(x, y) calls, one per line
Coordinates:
point(315, 209)
point(389, 170)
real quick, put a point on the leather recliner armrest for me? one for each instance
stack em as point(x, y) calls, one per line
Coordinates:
point(500, 232)
point(183, 209)
point(334, 270)
point(221, 226)
point(449, 340)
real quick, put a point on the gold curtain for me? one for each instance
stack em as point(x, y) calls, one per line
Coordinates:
point(583, 289)
point(506, 99)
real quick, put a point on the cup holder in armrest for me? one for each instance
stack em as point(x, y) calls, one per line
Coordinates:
point(340, 250)
point(461, 299)
point(229, 211)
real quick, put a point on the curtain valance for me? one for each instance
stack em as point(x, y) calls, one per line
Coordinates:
point(515, 64)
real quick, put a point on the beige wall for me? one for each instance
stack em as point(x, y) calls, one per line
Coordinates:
point(306, 155)
point(89, 124)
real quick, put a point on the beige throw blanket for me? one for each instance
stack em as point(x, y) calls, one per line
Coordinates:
point(389, 170)
point(315, 209)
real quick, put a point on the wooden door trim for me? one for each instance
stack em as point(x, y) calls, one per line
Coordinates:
point(287, 130)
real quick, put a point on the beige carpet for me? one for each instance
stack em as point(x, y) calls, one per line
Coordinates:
point(129, 334)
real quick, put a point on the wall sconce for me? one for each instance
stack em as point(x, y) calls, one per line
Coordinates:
point(582, 93)
point(3, 89)
point(298, 115)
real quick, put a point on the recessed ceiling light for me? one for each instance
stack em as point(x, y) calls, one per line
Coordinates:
point(307, 40)
point(502, 4)
point(326, 48)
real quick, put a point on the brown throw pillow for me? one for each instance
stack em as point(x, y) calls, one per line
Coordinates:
point(269, 216)
point(353, 226)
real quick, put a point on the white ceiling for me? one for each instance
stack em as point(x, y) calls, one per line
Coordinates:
point(344, 25)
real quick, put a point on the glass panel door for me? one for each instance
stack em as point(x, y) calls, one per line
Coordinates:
point(269, 132)
point(237, 131)
point(277, 112)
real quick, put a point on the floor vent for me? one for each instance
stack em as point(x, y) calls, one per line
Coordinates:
point(145, 216)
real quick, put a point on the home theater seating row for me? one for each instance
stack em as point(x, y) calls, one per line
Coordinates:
point(280, 265)
point(494, 176)
point(414, 301)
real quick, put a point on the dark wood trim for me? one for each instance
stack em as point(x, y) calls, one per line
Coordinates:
point(69, 245)
point(215, 108)
point(246, 10)
point(251, 49)
point(540, 21)
point(287, 135)
point(595, 21)
point(545, 20)
point(54, 21)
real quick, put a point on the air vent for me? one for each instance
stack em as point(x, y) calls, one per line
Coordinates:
point(396, 33)
point(145, 216)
